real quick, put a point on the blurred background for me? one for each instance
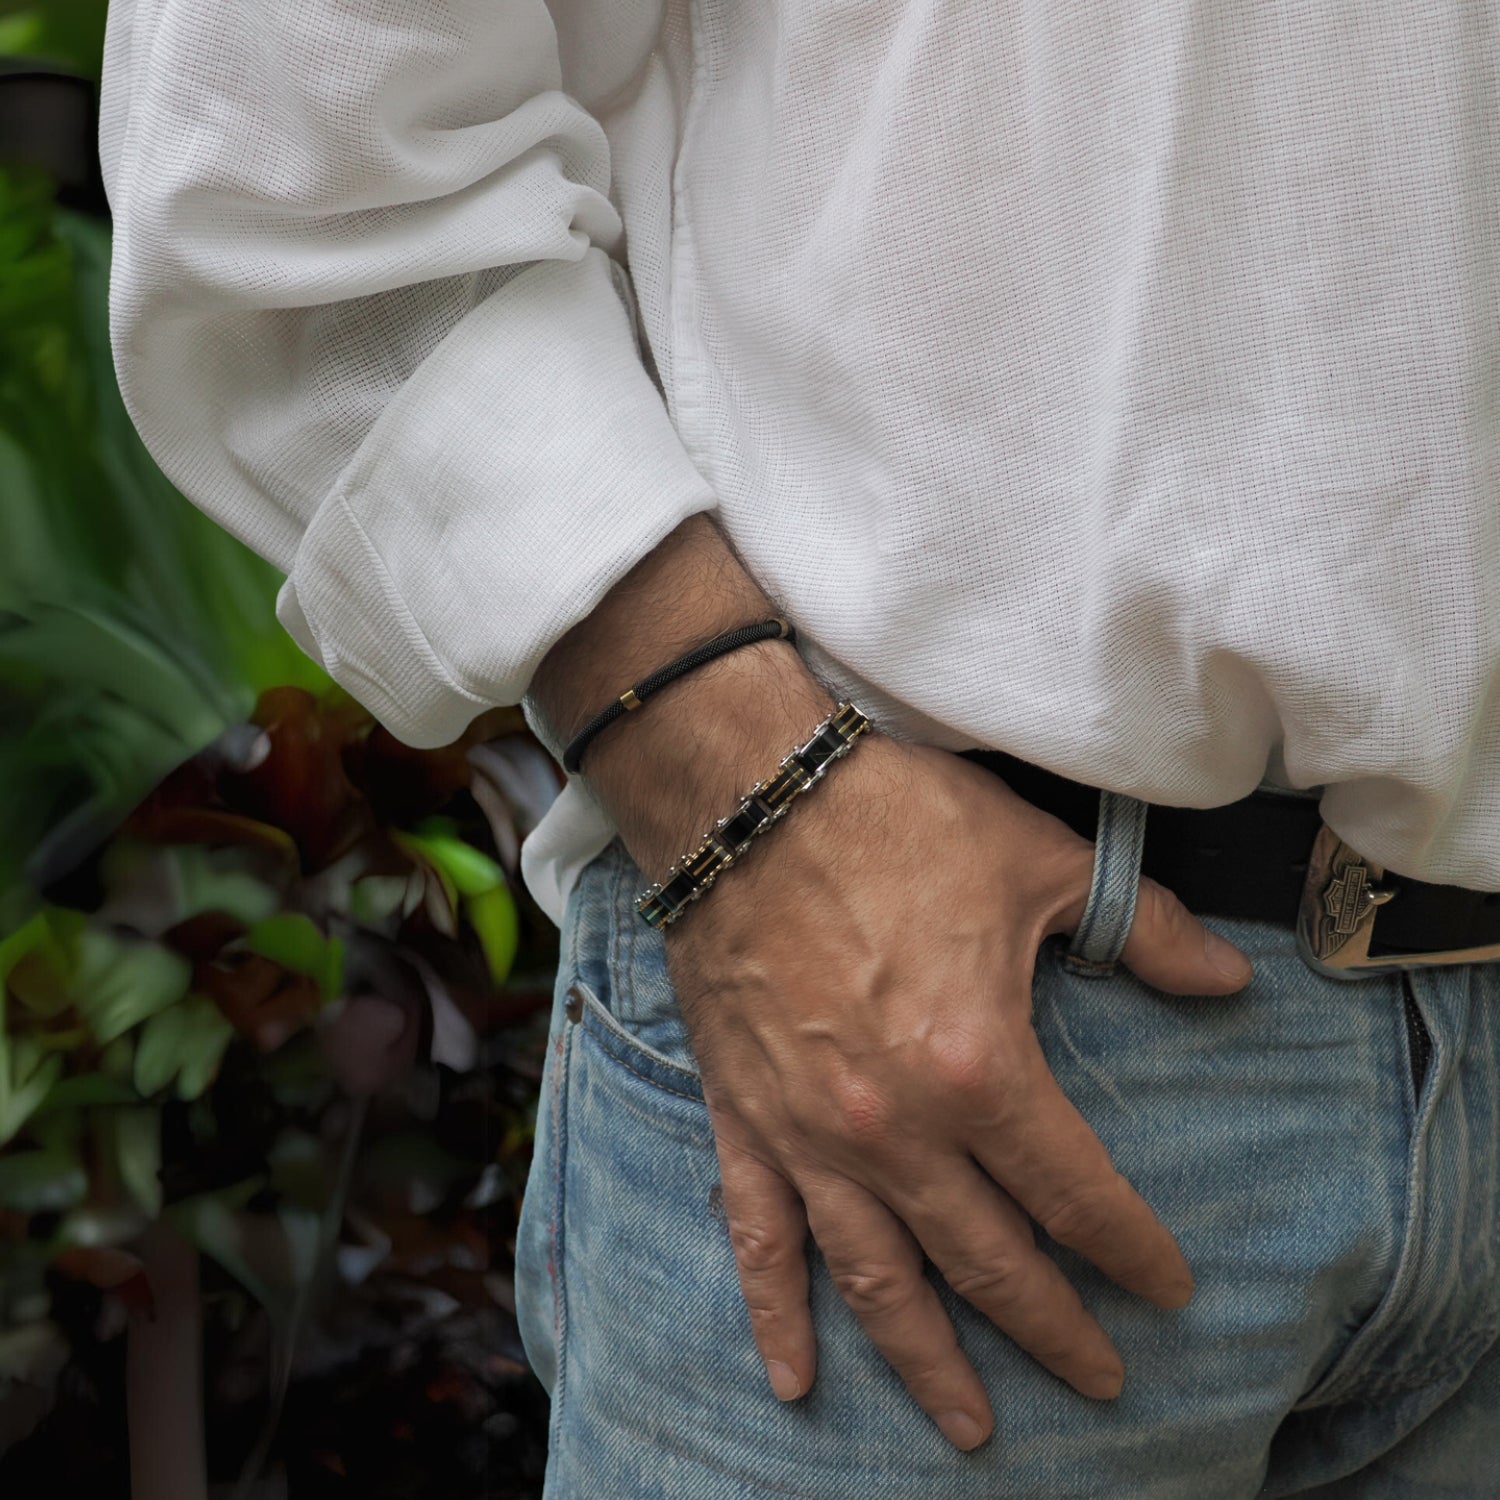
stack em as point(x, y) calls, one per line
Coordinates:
point(272, 997)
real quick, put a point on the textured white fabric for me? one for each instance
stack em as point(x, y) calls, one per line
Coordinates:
point(1113, 381)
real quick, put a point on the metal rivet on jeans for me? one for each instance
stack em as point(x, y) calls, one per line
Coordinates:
point(573, 1006)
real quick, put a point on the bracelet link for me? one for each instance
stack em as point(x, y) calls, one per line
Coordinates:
point(765, 803)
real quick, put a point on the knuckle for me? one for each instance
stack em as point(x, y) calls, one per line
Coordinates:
point(1163, 909)
point(959, 1068)
point(874, 1291)
point(758, 1248)
point(1086, 1215)
point(860, 1111)
point(1150, 899)
point(998, 1284)
point(765, 1313)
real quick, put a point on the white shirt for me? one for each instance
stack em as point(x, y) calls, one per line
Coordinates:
point(1113, 381)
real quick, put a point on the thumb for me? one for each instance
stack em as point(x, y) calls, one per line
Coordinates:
point(1171, 949)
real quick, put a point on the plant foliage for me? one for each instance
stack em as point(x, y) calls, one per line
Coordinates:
point(235, 913)
point(65, 32)
point(133, 630)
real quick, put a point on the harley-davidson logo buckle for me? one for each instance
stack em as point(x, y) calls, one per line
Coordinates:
point(1337, 913)
point(1340, 898)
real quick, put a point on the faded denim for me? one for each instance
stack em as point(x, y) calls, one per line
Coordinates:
point(1339, 1214)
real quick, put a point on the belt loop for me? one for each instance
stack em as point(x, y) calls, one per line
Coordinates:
point(1110, 908)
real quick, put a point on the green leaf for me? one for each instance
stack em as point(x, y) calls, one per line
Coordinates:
point(135, 1135)
point(48, 931)
point(493, 916)
point(471, 871)
point(22, 941)
point(28, 1068)
point(36, 969)
point(107, 655)
point(375, 899)
point(183, 1043)
point(293, 940)
point(297, 1073)
point(488, 903)
point(21, 35)
point(67, 31)
point(119, 984)
point(164, 885)
point(211, 1035)
point(300, 1170)
point(272, 1257)
point(88, 1091)
point(35, 1182)
point(27, 1074)
point(117, 1060)
point(206, 887)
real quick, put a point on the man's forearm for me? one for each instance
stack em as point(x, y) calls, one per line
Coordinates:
point(679, 763)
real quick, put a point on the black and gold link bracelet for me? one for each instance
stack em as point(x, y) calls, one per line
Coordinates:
point(762, 805)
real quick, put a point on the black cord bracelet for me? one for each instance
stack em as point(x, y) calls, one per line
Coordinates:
point(633, 697)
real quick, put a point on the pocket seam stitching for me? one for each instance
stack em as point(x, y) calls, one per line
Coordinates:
point(595, 1007)
point(676, 1093)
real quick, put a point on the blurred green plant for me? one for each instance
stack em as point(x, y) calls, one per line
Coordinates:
point(233, 909)
point(132, 628)
point(68, 32)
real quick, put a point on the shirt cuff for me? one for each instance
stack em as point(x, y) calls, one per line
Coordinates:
point(518, 474)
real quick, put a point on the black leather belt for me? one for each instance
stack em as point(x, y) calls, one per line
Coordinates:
point(1259, 858)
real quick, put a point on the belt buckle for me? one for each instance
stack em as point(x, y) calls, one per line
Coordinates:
point(1341, 899)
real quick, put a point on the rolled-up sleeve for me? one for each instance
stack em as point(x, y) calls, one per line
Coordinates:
point(365, 313)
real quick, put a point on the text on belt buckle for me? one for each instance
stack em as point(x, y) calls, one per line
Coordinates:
point(1336, 917)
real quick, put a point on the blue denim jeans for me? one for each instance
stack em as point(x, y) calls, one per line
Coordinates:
point(1337, 1199)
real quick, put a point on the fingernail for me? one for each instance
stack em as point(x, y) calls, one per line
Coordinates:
point(1225, 957)
point(960, 1429)
point(1105, 1383)
point(1179, 1294)
point(783, 1380)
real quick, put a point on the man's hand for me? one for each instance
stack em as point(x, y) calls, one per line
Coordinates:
point(859, 997)
point(858, 992)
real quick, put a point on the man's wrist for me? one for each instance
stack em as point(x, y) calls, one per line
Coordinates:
point(669, 771)
point(688, 590)
point(635, 697)
point(688, 757)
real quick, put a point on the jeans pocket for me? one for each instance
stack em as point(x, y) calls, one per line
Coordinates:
point(627, 1049)
point(1110, 909)
point(620, 962)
